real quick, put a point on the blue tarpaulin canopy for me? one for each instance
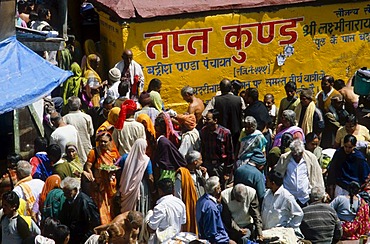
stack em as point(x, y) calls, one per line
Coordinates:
point(25, 77)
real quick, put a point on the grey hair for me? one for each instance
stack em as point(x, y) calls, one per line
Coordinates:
point(317, 194)
point(290, 116)
point(24, 169)
point(74, 103)
point(251, 120)
point(70, 183)
point(211, 184)
point(297, 147)
point(240, 192)
point(192, 156)
point(187, 90)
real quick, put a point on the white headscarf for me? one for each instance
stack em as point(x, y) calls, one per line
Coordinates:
point(132, 174)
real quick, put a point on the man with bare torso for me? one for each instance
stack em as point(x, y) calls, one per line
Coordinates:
point(349, 96)
point(196, 105)
point(125, 226)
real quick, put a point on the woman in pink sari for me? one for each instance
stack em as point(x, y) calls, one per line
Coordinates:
point(288, 124)
point(171, 134)
point(132, 175)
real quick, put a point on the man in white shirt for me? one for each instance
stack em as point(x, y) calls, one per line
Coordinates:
point(279, 208)
point(132, 73)
point(169, 210)
point(83, 123)
point(301, 172)
point(63, 133)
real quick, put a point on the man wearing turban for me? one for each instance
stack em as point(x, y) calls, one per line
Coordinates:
point(127, 130)
point(190, 139)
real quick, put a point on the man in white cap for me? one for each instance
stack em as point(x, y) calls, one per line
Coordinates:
point(114, 76)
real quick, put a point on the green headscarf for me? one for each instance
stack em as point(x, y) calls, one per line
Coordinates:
point(75, 164)
point(72, 86)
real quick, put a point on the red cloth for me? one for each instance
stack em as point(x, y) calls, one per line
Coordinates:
point(128, 107)
point(134, 88)
point(352, 230)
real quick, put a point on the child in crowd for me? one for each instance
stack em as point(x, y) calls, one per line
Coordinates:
point(14, 228)
point(269, 101)
point(61, 236)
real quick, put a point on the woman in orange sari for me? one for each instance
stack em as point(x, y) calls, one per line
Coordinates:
point(100, 171)
point(52, 182)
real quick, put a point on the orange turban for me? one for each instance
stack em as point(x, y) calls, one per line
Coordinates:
point(187, 120)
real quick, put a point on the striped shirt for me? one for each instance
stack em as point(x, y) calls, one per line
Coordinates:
point(320, 224)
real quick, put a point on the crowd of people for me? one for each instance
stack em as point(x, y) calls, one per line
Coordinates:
point(116, 165)
point(235, 170)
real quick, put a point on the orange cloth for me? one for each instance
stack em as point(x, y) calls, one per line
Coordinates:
point(189, 197)
point(111, 120)
point(187, 120)
point(149, 131)
point(148, 123)
point(105, 181)
point(53, 181)
point(113, 115)
point(30, 198)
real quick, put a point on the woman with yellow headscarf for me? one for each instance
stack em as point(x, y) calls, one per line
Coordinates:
point(90, 48)
point(112, 119)
point(94, 82)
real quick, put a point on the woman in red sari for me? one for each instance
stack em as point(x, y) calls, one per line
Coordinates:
point(353, 212)
point(99, 171)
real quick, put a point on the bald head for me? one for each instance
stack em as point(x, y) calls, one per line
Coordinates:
point(127, 52)
point(127, 56)
point(225, 86)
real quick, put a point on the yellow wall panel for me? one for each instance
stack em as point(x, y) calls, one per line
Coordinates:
point(200, 51)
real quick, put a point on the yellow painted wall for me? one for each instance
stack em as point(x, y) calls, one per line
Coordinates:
point(332, 39)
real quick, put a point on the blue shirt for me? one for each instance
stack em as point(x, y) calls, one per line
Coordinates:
point(250, 176)
point(122, 160)
point(41, 166)
point(210, 226)
point(345, 168)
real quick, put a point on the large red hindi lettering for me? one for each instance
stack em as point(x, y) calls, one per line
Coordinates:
point(163, 42)
point(197, 35)
point(292, 33)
